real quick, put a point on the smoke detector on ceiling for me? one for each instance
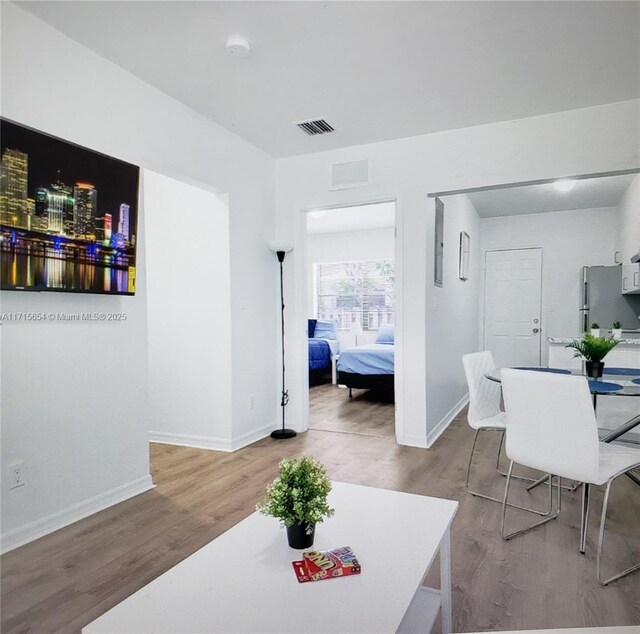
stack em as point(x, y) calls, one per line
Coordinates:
point(237, 46)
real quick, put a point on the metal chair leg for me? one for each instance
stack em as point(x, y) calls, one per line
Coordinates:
point(603, 518)
point(507, 536)
point(584, 517)
point(488, 497)
point(541, 480)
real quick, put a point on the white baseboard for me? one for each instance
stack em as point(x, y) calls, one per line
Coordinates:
point(212, 442)
point(188, 440)
point(252, 436)
point(435, 433)
point(45, 525)
point(413, 441)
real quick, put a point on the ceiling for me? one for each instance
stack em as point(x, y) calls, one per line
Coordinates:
point(360, 218)
point(373, 70)
point(531, 199)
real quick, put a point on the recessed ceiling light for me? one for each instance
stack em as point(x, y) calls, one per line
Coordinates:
point(564, 185)
point(238, 46)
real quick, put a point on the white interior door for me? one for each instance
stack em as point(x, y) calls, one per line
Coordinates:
point(512, 301)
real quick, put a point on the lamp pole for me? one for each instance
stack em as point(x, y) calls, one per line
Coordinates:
point(282, 433)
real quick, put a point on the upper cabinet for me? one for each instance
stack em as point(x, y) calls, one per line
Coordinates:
point(631, 279)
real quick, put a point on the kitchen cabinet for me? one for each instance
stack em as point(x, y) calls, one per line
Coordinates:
point(631, 279)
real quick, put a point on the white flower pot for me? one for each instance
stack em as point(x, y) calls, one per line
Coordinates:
point(617, 333)
point(595, 332)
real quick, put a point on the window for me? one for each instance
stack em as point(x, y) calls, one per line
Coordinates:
point(356, 293)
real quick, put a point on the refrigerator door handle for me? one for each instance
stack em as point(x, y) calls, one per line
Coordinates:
point(585, 289)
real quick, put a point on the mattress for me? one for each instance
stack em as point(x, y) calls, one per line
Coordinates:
point(374, 358)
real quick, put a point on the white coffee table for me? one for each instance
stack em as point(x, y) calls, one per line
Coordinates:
point(243, 581)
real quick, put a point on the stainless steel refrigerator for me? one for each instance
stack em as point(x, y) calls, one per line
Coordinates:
point(603, 302)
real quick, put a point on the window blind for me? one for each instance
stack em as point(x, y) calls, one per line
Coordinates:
point(356, 293)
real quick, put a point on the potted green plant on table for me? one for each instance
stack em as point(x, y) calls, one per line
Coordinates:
point(298, 498)
point(616, 331)
point(593, 350)
point(595, 329)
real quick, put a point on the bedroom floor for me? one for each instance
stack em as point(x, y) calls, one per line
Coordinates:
point(331, 410)
point(65, 580)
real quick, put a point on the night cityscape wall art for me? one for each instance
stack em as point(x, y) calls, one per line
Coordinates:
point(68, 216)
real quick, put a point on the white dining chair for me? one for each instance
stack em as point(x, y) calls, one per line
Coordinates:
point(485, 414)
point(551, 426)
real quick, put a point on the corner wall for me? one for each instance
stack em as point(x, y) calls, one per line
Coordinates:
point(629, 222)
point(584, 141)
point(82, 448)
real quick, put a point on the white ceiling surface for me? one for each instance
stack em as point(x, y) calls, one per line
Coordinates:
point(531, 199)
point(360, 218)
point(374, 70)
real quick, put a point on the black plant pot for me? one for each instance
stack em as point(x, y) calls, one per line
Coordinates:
point(594, 369)
point(298, 536)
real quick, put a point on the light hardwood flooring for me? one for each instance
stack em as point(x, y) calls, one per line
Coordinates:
point(66, 579)
point(331, 409)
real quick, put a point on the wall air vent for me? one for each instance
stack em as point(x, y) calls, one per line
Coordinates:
point(352, 174)
point(315, 126)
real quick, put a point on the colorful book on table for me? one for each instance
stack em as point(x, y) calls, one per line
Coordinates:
point(317, 565)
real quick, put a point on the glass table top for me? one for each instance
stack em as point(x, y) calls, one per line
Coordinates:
point(616, 382)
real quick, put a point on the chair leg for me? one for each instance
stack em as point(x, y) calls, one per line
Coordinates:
point(541, 480)
point(488, 497)
point(505, 503)
point(603, 519)
point(584, 517)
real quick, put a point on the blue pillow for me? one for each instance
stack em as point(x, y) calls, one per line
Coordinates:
point(386, 334)
point(326, 329)
point(312, 327)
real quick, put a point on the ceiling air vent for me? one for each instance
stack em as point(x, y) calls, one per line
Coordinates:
point(315, 126)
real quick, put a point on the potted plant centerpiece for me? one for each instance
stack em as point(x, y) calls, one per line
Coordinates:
point(298, 498)
point(593, 350)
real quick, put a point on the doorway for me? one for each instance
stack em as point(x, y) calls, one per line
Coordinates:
point(512, 306)
point(351, 298)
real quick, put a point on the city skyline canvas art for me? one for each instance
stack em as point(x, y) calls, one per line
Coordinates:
point(68, 216)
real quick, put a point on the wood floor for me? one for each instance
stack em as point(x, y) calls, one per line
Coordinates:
point(65, 580)
point(331, 409)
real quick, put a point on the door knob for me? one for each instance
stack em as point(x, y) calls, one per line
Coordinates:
point(536, 330)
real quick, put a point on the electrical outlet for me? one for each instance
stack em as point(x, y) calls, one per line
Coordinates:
point(16, 475)
point(252, 401)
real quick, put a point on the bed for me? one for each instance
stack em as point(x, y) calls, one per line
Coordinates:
point(370, 367)
point(323, 350)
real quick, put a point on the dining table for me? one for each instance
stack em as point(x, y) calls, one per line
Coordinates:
point(614, 381)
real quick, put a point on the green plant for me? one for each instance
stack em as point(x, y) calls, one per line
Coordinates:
point(594, 325)
point(593, 348)
point(299, 494)
point(617, 325)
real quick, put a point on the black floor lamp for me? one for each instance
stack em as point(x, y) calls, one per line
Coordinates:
point(280, 248)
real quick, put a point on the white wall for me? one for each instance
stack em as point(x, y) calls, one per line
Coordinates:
point(81, 449)
point(189, 316)
point(588, 140)
point(569, 241)
point(346, 246)
point(452, 327)
point(629, 222)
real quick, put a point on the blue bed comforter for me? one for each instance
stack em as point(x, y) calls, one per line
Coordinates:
point(319, 354)
point(374, 358)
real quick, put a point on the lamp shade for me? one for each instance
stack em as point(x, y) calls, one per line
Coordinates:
point(281, 246)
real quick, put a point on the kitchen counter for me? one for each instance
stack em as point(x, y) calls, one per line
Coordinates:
point(566, 340)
